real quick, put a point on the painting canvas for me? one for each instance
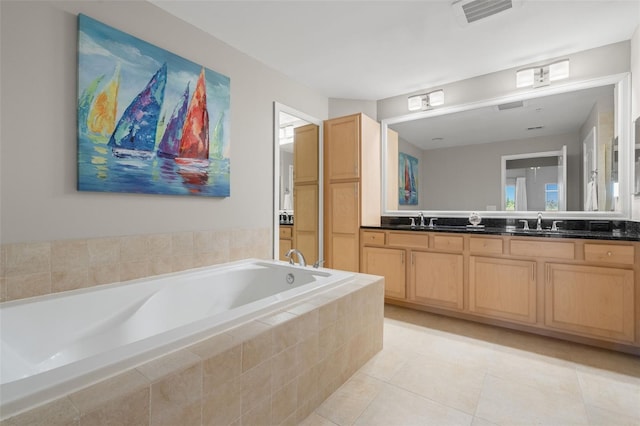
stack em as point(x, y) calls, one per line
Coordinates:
point(149, 121)
point(407, 179)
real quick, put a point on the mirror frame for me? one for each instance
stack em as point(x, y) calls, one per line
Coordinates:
point(277, 109)
point(622, 94)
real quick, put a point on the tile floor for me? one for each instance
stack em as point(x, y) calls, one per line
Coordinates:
point(435, 370)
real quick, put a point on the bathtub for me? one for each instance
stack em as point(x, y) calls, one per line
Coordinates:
point(54, 344)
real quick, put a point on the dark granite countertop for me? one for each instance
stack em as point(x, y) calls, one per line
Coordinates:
point(582, 229)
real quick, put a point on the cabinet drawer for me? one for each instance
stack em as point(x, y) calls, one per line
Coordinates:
point(285, 232)
point(406, 239)
point(609, 253)
point(369, 237)
point(558, 250)
point(485, 245)
point(448, 242)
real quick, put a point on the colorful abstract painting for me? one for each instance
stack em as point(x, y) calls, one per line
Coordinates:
point(149, 121)
point(407, 179)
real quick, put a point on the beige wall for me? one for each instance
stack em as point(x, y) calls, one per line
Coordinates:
point(342, 107)
point(39, 200)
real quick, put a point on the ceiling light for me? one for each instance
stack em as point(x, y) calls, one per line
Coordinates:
point(542, 75)
point(426, 101)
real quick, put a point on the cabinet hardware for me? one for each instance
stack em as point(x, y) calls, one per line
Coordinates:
point(609, 253)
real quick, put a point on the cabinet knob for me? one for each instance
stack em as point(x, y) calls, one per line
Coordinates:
point(609, 253)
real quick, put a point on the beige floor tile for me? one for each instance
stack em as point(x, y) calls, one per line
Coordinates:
point(601, 417)
point(535, 370)
point(397, 407)
point(454, 384)
point(385, 364)
point(477, 421)
point(315, 419)
point(619, 396)
point(506, 402)
point(347, 403)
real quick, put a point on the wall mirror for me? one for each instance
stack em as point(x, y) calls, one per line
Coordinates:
point(297, 183)
point(568, 146)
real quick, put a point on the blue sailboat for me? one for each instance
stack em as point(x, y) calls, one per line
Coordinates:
point(135, 133)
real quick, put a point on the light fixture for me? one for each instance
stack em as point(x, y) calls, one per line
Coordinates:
point(542, 75)
point(426, 101)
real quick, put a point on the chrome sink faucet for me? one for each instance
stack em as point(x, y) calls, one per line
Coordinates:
point(554, 227)
point(525, 224)
point(431, 224)
point(539, 223)
point(421, 219)
point(297, 252)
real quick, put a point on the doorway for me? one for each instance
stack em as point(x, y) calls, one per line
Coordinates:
point(297, 133)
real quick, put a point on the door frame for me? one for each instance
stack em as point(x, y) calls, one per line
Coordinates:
point(277, 109)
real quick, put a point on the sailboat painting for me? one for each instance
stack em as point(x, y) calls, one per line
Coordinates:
point(408, 172)
point(149, 121)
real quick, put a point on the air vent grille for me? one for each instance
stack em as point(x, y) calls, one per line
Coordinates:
point(480, 9)
point(510, 105)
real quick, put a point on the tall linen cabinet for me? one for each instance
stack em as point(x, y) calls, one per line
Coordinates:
point(351, 187)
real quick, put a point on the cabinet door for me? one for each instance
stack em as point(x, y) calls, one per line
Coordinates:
point(390, 264)
point(503, 288)
point(342, 226)
point(305, 154)
point(305, 228)
point(342, 147)
point(592, 301)
point(437, 279)
point(285, 246)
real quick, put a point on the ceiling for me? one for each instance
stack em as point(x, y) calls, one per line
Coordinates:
point(371, 50)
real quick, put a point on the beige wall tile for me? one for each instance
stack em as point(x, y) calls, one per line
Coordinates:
point(161, 265)
point(257, 350)
point(177, 399)
point(100, 394)
point(3, 260)
point(210, 258)
point(102, 251)
point(307, 385)
point(131, 409)
point(308, 351)
point(213, 346)
point(134, 248)
point(168, 365)
point(71, 254)
point(134, 270)
point(159, 245)
point(221, 368)
point(70, 279)
point(222, 406)
point(3, 289)
point(285, 367)
point(256, 384)
point(27, 258)
point(259, 414)
point(182, 244)
point(28, 285)
point(60, 412)
point(104, 274)
point(284, 402)
point(182, 262)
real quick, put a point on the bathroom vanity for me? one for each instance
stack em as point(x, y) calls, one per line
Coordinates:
point(578, 285)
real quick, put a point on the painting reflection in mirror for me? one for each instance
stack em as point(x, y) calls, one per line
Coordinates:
point(408, 166)
point(459, 155)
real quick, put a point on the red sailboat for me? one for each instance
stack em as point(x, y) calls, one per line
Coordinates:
point(194, 145)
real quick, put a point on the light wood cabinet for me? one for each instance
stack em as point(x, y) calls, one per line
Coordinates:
point(576, 289)
point(437, 279)
point(503, 288)
point(306, 201)
point(592, 301)
point(351, 187)
point(389, 263)
point(286, 240)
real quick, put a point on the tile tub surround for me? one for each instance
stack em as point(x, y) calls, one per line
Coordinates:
point(276, 369)
point(38, 268)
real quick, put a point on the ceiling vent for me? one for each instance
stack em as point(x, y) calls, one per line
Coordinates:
point(468, 11)
point(510, 105)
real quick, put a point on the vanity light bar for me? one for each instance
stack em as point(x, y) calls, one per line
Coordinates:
point(542, 75)
point(426, 101)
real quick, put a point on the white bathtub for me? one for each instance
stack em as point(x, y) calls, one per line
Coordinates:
point(51, 345)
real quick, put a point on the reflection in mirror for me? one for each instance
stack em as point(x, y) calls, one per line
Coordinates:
point(458, 155)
